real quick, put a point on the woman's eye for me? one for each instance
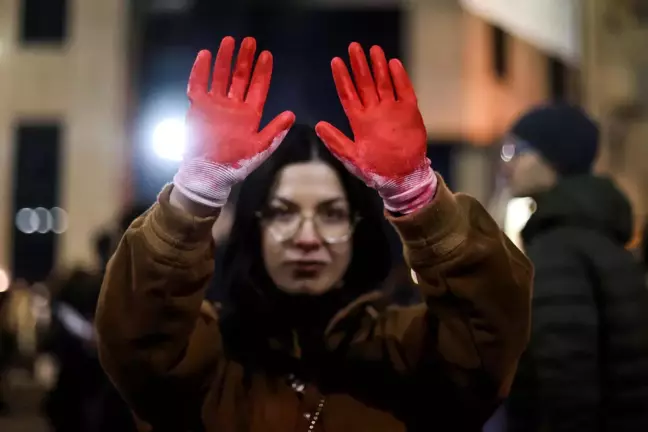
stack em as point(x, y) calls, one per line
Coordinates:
point(335, 214)
point(280, 213)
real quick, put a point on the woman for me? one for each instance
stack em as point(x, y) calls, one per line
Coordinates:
point(301, 343)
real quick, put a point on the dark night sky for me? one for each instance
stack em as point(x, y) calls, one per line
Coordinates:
point(303, 43)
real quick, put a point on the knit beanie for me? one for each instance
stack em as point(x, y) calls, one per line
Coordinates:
point(564, 135)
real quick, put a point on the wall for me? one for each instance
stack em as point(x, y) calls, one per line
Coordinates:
point(492, 103)
point(83, 84)
point(434, 41)
point(551, 25)
point(450, 59)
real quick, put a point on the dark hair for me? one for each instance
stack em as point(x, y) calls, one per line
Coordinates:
point(104, 244)
point(244, 276)
point(644, 245)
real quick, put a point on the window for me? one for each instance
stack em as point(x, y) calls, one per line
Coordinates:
point(37, 217)
point(500, 52)
point(43, 21)
point(557, 79)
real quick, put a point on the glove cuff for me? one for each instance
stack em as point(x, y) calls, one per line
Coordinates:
point(205, 182)
point(412, 192)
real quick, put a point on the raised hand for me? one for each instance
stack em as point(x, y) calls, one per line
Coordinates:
point(224, 144)
point(389, 151)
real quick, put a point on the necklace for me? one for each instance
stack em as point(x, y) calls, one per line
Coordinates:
point(300, 387)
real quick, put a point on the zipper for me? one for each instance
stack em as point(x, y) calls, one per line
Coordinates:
point(313, 418)
point(316, 415)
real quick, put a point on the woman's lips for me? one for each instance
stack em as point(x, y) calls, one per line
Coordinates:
point(306, 269)
point(308, 265)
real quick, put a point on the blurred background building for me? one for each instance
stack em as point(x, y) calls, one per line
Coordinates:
point(92, 92)
point(615, 90)
point(63, 92)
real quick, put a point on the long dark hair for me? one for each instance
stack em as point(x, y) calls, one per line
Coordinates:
point(244, 281)
point(644, 245)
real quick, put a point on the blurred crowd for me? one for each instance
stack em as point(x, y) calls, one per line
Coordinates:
point(48, 330)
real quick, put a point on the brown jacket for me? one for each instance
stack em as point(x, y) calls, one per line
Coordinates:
point(443, 365)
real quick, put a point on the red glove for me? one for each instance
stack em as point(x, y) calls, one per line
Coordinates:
point(389, 152)
point(224, 145)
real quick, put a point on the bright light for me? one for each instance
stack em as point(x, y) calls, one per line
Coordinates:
point(414, 277)
point(44, 220)
point(518, 212)
point(27, 221)
point(507, 152)
point(59, 220)
point(169, 139)
point(4, 281)
point(40, 220)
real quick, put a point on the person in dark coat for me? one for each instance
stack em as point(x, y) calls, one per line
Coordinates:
point(586, 368)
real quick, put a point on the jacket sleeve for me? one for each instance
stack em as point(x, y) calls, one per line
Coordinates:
point(462, 346)
point(155, 341)
point(561, 362)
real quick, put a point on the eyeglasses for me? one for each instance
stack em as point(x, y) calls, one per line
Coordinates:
point(512, 147)
point(331, 226)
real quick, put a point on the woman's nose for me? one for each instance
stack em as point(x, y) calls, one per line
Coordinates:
point(307, 237)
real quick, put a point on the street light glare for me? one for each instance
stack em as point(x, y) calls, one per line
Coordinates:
point(4, 281)
point(169, 139)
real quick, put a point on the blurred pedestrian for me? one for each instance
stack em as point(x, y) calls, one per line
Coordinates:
point(302, 341)
point(71, 342)
point(83, 399)
point(586, 368)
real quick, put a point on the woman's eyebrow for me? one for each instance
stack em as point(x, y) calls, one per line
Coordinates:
point(283, 200)
point(325, 202)
point(331, 201)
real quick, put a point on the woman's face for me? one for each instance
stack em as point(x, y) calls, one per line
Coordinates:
point(306, 230)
